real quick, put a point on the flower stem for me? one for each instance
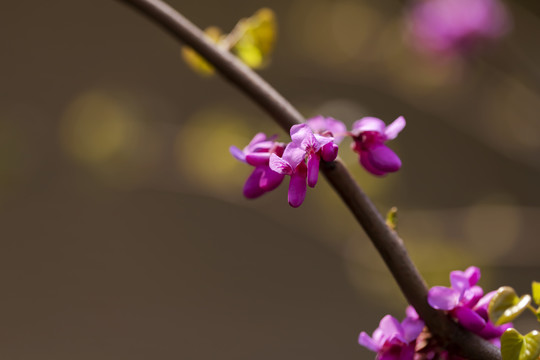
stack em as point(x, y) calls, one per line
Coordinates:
point(385, 240)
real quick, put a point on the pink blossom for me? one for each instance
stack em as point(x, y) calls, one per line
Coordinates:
point(465, 302)
point(456, 26)
point(393, 340)
point(301, 159)
point(257, 153)
point(370, 135)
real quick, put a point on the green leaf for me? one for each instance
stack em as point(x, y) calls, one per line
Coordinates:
point(391, 218)
point(196, 61)
point(505, 305)
point(511, 344)
point(258, 36)
point(515, 346)
point(531, 350)
point(536, 292)
point(249, 53)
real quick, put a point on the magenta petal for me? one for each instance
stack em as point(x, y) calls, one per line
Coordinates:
point(329, 152)
point(237, 153)
point(473, 274)
point(263, 146)
point(443, 298)
point(317, 124)
point(411, 313)
point(471, 296)
point(323, 140)
point(491, 331)
point(383, 158)
point(270, 179)
point(368, 124)
point(252, 189)
point(365, 162)
point(459, 281)
point(391, 328)
point(411, 328)
point(313, 169)
point(294, 154)
point(258, 138)
point(337, 128)
point(394, 128)
point(367, 342)
point(258, 158)
point(482, 305)
point(469, 319)
point(320, 124)
point(279, 165)
point(297, 186)
point(299, 132)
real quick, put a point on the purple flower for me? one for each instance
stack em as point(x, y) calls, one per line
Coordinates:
point(257, 154)
point(464, 301)
point(456, 26)
point(393, 340)
point(306, 146)
point(328, 126)
point(369, 136)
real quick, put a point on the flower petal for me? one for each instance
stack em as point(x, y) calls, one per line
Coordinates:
point(471, 296)
point(258, 138)
point(297, 186)
point(368, 342)
point(237, 153)
point(469, 319)
point(411, 313)
point(329, 152)
point(299, 132)
point(473, 274)
point(257, 158)
point(443, 298)
point(323, 140)
point(411, 328)
point(270, 179)
point(294, 155)
point(394, 128)
point(279, 165)
point(482, 305)
point(252, 189)
point(368, 124)
point(391, 328)
point(383, 158)
point(313, 169)
point(490, 331)
point(459, 281)
point(320, 124)
point(365, 161)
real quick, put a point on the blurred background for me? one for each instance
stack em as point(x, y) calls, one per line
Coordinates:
point(124, 233)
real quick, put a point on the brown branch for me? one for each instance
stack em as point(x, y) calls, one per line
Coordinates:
point(385, 240)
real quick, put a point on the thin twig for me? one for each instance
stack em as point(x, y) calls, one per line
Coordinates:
point(385, 240)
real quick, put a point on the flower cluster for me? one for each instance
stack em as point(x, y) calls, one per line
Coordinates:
point(392, 339)
point(312, 141)
point(466, 303)
point(409, 340)
point(456, 26)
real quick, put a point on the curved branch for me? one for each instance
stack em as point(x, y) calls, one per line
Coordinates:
point(385, 240)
